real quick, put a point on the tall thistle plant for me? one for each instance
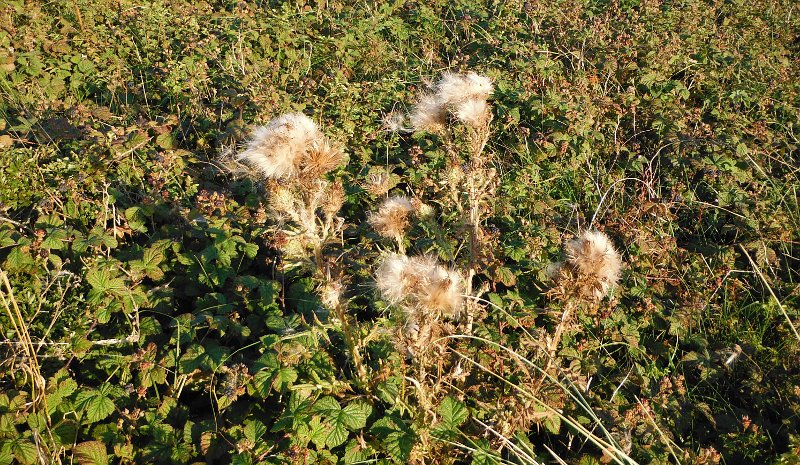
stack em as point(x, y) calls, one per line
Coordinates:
point(294, 157)
point(431, 300)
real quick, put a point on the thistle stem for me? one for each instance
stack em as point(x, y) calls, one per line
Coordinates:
point(353, 345)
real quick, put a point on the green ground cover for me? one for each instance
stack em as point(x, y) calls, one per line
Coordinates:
point(151, 313)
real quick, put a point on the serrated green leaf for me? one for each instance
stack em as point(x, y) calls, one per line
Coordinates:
point(95, 404)
point(65, 432)
point(149, 264)
point(250, 250)
point(553, 424)
point(483, 454)
point(254, 429)
point(6, 454)
point(103, 282)
point(24, 451)
point(354, 415)
point(318, 432)
point(284, 378)
point(91, 453)
point(397, 438)
point(327, 406)
point(453, 412)
point(337, 435)
point(19, 259)
point(54, 240)
point(354, 453)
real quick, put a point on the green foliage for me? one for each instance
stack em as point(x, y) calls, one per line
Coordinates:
point(166, 330)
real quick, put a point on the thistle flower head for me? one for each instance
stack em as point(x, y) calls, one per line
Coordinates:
point(453, 89)
point(394, 122)
point(288, 146)
point(393, 278)
point(420, 284)
point(596, 261)
point(334, 198)
point(429, 114)
point(295, 249)
point(464, 95)
point(379, 181)
point(278, 148)
point(473, 112)
point(322, 157)
point(330, 293)
point(391, 219)
point(443, 291)
point(282, 200)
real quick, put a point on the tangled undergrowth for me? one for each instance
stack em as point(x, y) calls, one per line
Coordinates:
point(409, 232)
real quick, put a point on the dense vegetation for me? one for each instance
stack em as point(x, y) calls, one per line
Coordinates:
point(150, 314)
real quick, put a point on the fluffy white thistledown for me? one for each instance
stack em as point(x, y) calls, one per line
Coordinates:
point(391, 219)
point(473, 112)
point(456, 88)
point(420, 284)
point(464, 95)
point(596, 261)
point(429, 114)
point(289, 145)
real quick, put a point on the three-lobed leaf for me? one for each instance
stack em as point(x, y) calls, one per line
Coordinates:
point(95, 404)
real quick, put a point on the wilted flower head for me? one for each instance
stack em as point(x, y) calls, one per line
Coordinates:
point(288, 145)
point(596, 262)
point(333, 198)
point(453, 89)
point(420, 284)
point(391, 219)
point(283, 200)
point(379, 181)
point(429, 114)
point(464, 95)
point(395, 121)
point(473, 112)
point(330, 293)
point(394, 279)
point(443, 290)
point(321, 157)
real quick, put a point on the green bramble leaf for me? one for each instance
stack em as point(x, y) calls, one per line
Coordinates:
point(24, 451)
point(103, 282)
point(96, 405)
point(149, 264)
point(396, 437)
point(6, 454)
point(453, 412)
point(354, 415)
point(254, 429)
point(91, 453)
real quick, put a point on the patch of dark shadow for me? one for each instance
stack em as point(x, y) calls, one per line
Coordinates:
point(57, 128)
